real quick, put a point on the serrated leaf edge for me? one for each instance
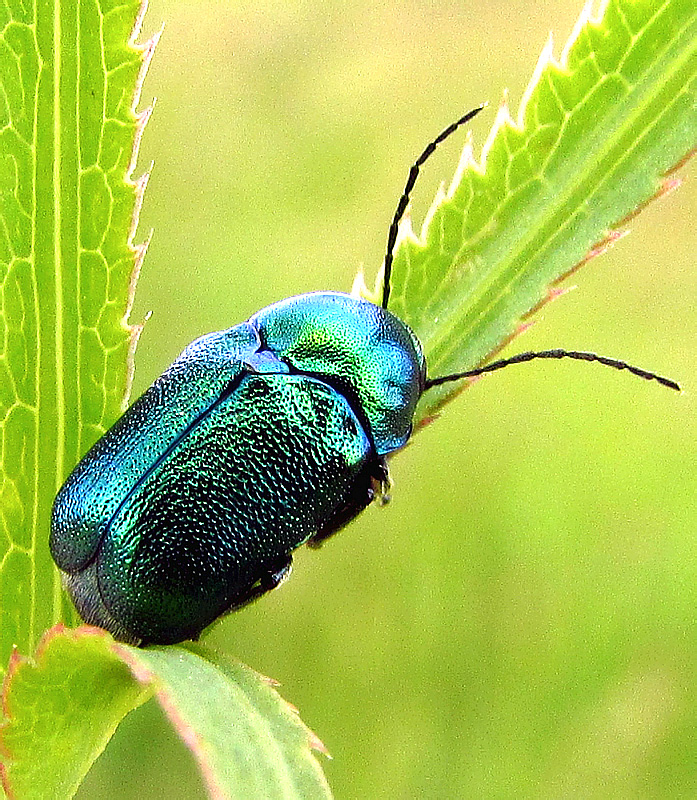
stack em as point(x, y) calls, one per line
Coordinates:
point(467, 161)
point(134, 330)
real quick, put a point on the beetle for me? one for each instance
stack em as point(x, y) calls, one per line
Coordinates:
point(257, 439)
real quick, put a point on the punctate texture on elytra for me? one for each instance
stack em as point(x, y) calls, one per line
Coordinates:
point(255, 440)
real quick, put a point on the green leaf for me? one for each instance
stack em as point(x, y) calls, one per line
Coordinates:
point(248, 741)
point(62, 709)
point(70, 78)
point(595, 135)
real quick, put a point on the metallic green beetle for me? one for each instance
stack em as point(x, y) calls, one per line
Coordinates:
point(256, 440)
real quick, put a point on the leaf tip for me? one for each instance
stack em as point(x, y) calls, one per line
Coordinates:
point(668, 186)
point(313, 740)
point(586, 17)
point(317, 744)
point(273, 683)
point(359, 288)
point(555, 292)
point(439, 198)
point(466, 162)
point(604, 245)
point(545, 61)
point(405, 230)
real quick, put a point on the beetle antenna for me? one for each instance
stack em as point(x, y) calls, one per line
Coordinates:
point(404, 199)
point(579, 356)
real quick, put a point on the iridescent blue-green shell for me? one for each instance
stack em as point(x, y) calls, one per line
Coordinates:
point(255, 440)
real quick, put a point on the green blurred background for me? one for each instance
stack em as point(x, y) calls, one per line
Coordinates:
point(520, 621)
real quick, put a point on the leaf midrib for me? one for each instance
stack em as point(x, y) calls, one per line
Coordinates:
point(59, 331)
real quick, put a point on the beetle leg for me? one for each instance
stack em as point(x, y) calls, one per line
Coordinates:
point(375, 485)
point(271, 578)
point(382, 487)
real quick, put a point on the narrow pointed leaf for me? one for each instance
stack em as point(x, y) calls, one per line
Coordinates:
point(595, 135)
point(70, 76)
